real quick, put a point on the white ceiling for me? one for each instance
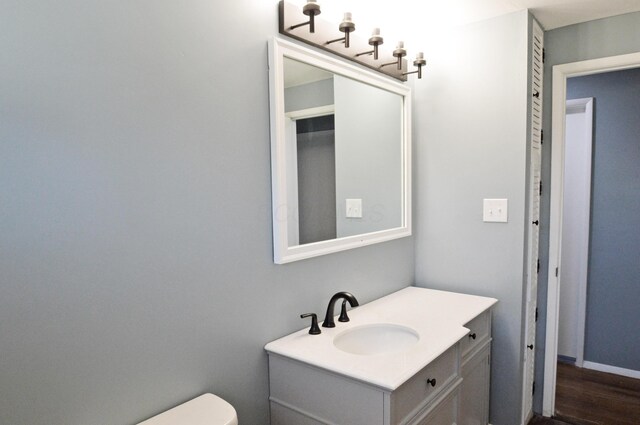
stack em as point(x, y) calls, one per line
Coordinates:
point(550, 13)
point(396, 14)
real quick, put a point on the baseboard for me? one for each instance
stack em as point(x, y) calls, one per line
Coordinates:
point(566, 359)
point(612, 369)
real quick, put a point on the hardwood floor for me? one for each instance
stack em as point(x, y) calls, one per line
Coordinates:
point(589, 397)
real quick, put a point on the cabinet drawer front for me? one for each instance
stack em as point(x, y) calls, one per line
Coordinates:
point(479, 331)
point(407, 400)
point(444, 414)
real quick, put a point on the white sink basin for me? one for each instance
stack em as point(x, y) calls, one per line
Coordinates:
point(380, 338)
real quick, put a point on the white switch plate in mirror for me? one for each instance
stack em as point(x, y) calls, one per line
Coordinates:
point(354, 208)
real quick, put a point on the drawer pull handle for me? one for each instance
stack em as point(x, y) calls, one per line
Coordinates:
point(432, 382)
point(472, 336)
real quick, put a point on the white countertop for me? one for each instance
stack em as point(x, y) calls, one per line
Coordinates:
point(437, 316)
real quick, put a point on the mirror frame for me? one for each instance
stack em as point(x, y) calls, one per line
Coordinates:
point(282, 252)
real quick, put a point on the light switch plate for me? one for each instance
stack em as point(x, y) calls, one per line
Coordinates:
point(495, 210)
point(354, 208)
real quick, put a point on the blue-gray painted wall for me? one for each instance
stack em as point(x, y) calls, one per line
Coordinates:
point(135, 242)
point(470, 133)
point(613, 288)
point(590, 40)
point(136, 264)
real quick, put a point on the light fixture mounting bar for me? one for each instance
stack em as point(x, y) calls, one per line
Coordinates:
point(290, 15)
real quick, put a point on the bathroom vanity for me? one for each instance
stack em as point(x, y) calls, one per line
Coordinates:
point(417, 356)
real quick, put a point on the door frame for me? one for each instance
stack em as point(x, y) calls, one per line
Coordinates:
point(559, 94)
point(582, 106)
point(291, 146)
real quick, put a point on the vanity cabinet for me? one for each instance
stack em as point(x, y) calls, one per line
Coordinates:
point(301, 394)
point(442, 379)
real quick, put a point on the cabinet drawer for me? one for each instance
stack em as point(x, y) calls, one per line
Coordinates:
point(479, 332)
point(411, 396)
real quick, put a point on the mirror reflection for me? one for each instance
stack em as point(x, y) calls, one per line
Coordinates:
point(344, 155)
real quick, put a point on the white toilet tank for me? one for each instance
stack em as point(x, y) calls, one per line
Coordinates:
point(207, 409)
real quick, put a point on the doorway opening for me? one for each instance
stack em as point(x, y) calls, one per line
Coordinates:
point(560, 122)
point(316, 158)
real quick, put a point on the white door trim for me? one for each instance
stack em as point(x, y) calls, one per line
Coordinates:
point(584, 106)
point(559, 94)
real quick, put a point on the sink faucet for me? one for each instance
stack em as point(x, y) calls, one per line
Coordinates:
point(328, 318)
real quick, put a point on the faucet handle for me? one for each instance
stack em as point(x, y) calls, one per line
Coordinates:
point(343, 312)
point(314, 330)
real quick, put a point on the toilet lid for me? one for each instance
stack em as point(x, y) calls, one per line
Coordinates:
point(207, 409)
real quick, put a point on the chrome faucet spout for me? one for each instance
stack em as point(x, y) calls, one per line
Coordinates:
point(328, 318)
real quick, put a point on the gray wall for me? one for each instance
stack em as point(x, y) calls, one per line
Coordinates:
point(470, 129)
point(614, 270)
point(136, 263)
point(368, 124)
point(590, 40)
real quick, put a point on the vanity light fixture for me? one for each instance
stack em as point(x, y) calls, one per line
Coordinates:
point(350, 46)
point(419, 62)
point(347, 27)
point(375, 40)
point(311, 9)
point(398, 53)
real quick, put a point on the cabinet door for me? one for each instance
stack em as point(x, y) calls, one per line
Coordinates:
point(474, 394)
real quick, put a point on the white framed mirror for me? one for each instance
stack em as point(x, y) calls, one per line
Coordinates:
point(340, 154)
